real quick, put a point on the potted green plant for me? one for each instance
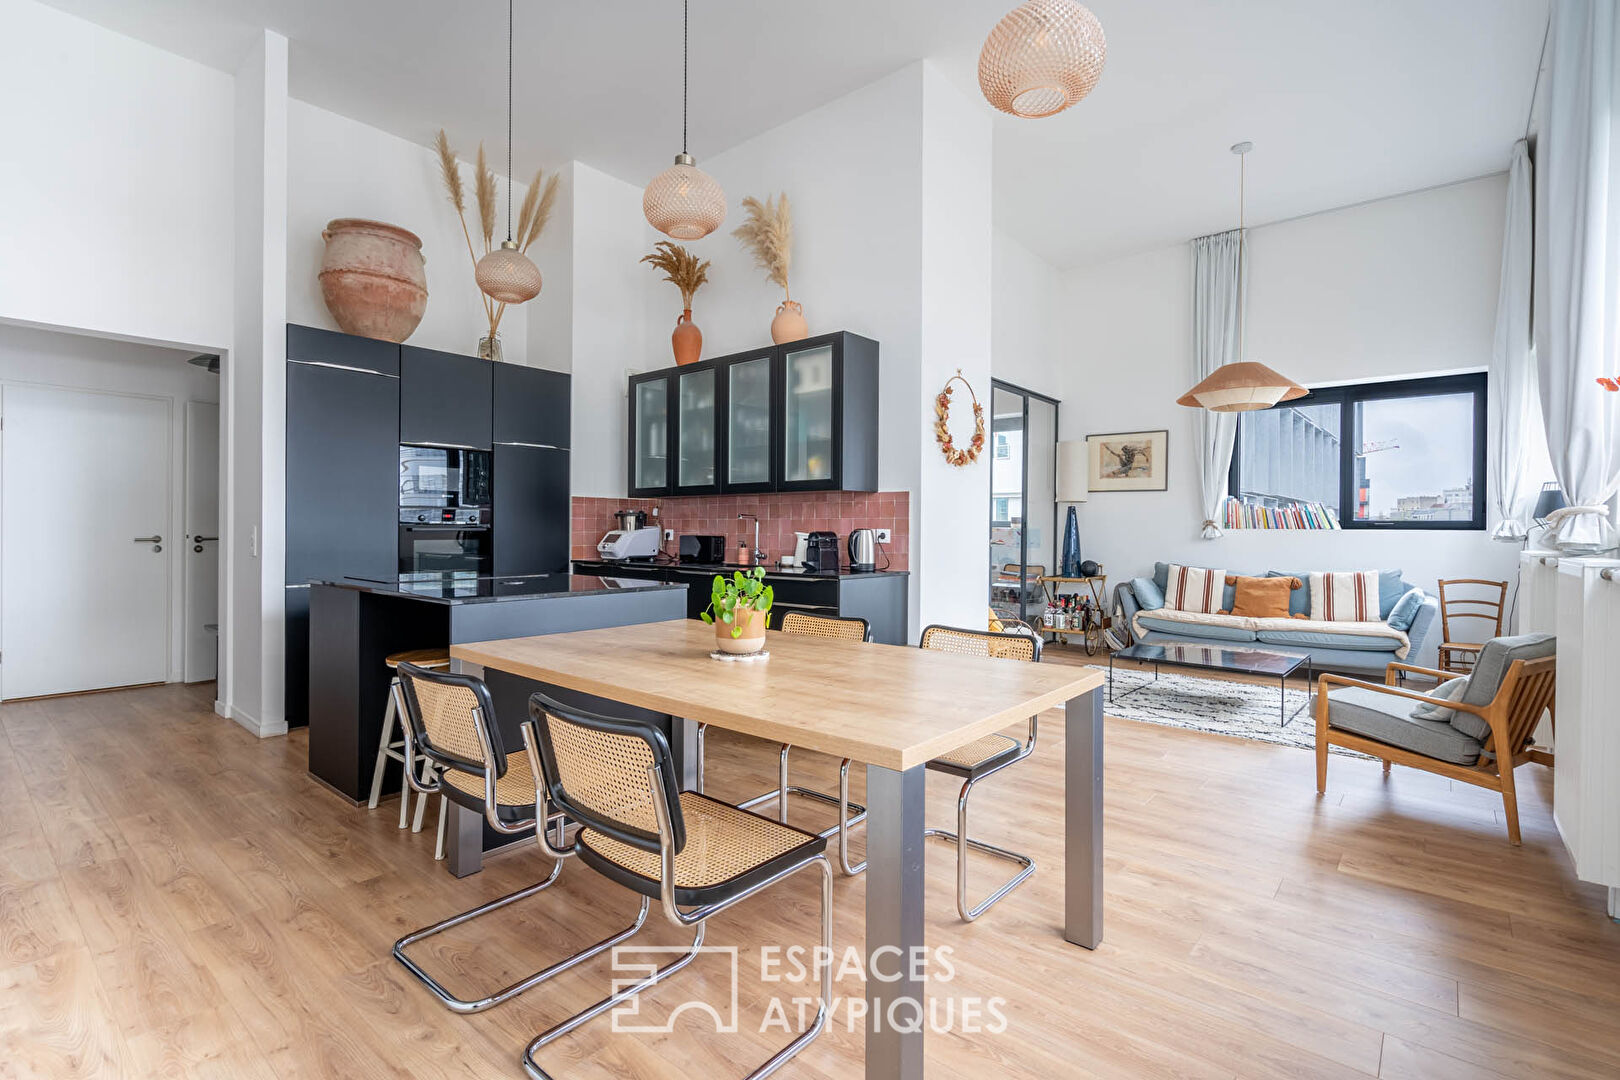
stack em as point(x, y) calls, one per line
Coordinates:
point(737, 609)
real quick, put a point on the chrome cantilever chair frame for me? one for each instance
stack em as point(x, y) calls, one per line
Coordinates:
point(850, 813)
point(1026, 865)
point(693, 917)
point(506, 827)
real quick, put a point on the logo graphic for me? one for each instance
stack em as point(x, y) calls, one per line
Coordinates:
point(638, 962)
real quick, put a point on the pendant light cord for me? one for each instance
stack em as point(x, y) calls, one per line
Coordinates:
point(1243, 247)
point(685, 19)
point(509, 119)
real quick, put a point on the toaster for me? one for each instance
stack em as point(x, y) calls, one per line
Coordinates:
point(821, 553)
point(703, 549)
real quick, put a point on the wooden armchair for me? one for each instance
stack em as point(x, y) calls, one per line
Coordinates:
point(1492, 721)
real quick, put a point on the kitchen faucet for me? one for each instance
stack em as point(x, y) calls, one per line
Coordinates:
point(759, 556)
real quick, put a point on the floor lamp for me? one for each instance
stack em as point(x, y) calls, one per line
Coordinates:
point(1072, 482)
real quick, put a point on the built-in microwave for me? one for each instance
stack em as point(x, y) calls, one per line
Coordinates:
point(439, 478)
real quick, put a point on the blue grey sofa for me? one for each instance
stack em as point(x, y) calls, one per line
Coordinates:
point(1329, 651)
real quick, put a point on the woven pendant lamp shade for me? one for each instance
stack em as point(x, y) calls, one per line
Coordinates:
point(507, 275)
point(683, 201)
point(1041, 58)
point(1241, 387)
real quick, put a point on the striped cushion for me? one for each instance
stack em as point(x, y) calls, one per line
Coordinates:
point(1193, 588)
point(1345, 597)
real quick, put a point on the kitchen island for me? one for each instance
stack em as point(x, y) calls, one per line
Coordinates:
point(355, 623)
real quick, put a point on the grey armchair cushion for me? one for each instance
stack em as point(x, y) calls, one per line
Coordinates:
point(1495, 658)
point(1450, 690)
point(1387, 719)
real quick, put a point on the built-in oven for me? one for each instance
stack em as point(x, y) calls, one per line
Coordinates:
point(444, 478)
point(444, 511)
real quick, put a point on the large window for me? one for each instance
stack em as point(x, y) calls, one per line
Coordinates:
point(1408, 454)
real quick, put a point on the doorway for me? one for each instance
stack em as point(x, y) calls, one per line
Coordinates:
point(108, 469)
point(1023, 500)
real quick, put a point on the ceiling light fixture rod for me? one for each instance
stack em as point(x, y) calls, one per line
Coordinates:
point(685, 17)
point(1242, 151)
point(509, 119)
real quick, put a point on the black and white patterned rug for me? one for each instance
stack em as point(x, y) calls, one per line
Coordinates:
point(1217, 706)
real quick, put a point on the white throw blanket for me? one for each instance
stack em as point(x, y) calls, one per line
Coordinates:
point(1243, 622)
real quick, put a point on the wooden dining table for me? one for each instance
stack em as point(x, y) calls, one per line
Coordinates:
point(889, 707)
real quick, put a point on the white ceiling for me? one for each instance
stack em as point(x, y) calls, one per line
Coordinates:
point(1345, 101)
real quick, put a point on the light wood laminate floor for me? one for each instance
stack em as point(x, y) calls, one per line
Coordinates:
point(179, 899)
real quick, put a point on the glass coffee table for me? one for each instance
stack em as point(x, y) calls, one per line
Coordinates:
point(1234, 659)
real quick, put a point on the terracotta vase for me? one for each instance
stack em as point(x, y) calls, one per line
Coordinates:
point(687, 339)
point(372, 278)
point(753, 635)
point(789, 324)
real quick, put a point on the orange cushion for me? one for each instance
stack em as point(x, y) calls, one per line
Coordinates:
point(1262, 597)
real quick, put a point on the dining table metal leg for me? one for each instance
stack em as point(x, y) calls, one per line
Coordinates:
point(1082, 821)
point(895, 857)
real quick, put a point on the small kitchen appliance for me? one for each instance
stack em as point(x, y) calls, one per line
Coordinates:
point(620, 544)
point(821, 552)
point(703, 549)
point(863, 549)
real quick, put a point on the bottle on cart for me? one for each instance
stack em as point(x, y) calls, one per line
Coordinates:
point(1049, 618)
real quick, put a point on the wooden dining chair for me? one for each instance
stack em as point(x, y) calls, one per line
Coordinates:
point(453, 749)
point(850, 814)
point(1477, 603)
point(1491, 722)
point(982, 758)
point(698, 856)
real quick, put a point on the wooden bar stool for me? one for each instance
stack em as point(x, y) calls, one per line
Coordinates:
point(390, 748)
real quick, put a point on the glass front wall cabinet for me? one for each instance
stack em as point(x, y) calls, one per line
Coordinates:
point(807, 415)
point(748, 423)
point(696, 431)
point(649, 435)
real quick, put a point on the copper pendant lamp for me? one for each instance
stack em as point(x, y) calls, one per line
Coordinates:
point(1042, 57)
point(1244, 385)
point(683, 201)
point(506, 274)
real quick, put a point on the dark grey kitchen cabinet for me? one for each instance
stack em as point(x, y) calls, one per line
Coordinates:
point(445, 399)
point(342, 484)
point(796, 417)
point(531, 509)
point(330, 348)
point(531, 405)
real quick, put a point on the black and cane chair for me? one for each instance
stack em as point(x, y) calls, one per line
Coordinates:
point(832, 628)
point(696, 855)
point(453, 748)
point(981, 758)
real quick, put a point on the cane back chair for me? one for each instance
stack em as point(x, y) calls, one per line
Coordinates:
point(696, 855)
point(850, 814)
point(453, 749)
point(982, 758)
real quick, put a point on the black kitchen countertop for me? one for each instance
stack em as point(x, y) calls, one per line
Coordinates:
point(462, 588)
point(602, 566)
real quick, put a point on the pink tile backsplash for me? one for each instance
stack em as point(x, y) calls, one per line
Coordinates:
point(780, 516)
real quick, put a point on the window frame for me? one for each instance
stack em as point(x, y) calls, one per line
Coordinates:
point(1347, 397)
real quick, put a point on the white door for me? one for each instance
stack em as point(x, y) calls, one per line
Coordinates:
point(201, 540)
point(84, 496)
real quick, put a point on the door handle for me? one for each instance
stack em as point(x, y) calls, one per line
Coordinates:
point(148, 539)
point(204, 539)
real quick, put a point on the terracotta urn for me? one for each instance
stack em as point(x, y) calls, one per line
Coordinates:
point(753, 633)
point(372, 278)
point(789, 324)
point(687, 339)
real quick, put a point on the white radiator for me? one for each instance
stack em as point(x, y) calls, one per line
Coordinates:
point(1538, 610)
point(1586, 779)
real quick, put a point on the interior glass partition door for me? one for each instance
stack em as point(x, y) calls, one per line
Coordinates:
point(1023, 500)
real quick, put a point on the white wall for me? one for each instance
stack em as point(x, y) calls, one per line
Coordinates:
point(339, 167)
point(115, 206)
point(1026, 341)
point(1400, 287)
point(48, 358)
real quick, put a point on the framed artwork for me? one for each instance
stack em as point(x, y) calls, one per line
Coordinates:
point(1128, 461)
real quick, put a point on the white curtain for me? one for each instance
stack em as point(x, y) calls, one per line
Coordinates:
point(1217, 310)
point(1513, 359)
point(1577, 269)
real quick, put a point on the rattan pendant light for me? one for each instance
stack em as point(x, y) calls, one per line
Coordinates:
point(1042, 57)
point(683, 201)
point(1244, 385)
point(506, 274)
